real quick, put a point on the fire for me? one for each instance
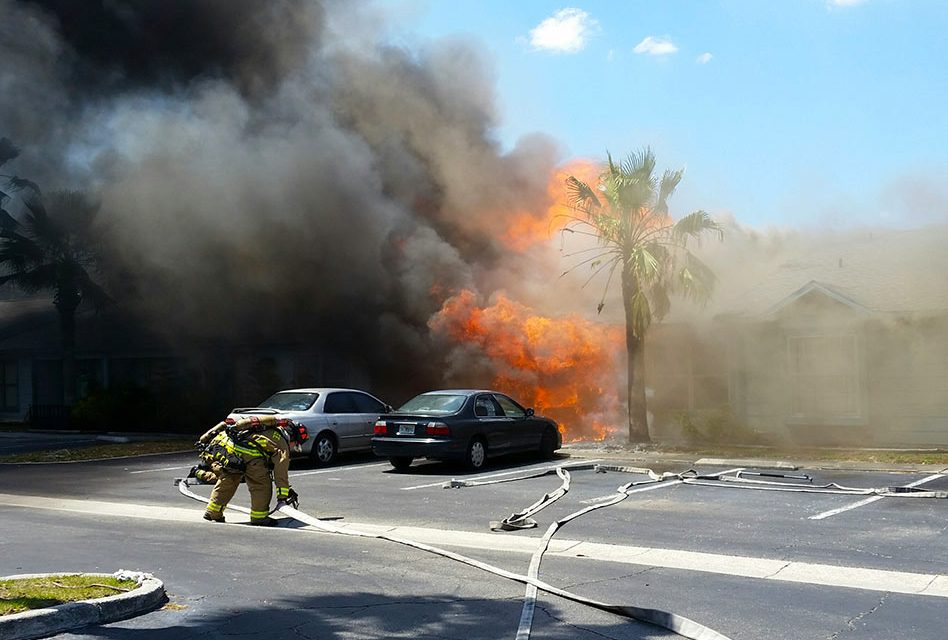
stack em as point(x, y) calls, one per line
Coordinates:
point(527, 228)
point(567, 368)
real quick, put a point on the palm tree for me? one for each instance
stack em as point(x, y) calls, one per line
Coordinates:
point(627, 212)
point(51, 249)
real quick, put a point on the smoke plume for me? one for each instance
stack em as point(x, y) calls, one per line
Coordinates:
point(261, 179)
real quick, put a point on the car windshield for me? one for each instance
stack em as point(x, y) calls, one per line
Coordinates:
point(433, 403)
point(290, 401)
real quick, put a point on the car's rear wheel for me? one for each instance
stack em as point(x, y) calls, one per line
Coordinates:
point(324, 449)
point(401, 463)
point(548, 445)
point(476, 455)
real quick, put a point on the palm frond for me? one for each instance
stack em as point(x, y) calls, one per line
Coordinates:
point(694, 225)
point(666, 188)
point(8, 151)
point(605, 288)
point(23, 183)
point(32, 280)
point(641, 313)
point(596, 258)
point(7, 222)
point(643, 264)
point(599, 266)
point(92, 291)
point(661, 302)
point(580, 195)
point(20, 252)
point(695, 279)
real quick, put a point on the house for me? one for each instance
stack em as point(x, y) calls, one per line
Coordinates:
point(153, 383)
point(846, 344)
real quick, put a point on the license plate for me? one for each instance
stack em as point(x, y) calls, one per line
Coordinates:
point(406, 429)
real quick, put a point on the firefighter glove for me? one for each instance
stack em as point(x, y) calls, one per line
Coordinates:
point(293, 499)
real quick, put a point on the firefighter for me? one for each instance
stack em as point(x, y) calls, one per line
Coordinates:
point(254, 450)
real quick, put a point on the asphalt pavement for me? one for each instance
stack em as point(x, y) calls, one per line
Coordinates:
point(747, 563)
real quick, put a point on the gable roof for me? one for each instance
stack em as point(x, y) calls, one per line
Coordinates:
point(814, 287)
point(885, 273)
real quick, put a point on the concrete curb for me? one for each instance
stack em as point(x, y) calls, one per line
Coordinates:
point(40, 623)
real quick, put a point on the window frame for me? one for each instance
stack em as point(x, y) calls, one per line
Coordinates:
point(856, 413)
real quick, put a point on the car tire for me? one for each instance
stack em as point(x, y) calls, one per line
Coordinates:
point(401, 463)
point(548, 445)
point(476, 455)
point(324, 449)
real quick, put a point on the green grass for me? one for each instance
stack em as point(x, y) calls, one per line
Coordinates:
point(37, 593)
point(98, 452)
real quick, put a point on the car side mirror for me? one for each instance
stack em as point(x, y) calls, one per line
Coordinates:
point(530, 412)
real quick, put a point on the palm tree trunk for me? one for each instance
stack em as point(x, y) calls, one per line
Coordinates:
point(635, 390)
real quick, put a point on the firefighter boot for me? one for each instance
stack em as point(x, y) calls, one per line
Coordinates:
point(213, 516)
point(263, 522)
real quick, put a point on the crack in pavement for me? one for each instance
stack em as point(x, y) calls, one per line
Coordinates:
point(851, 623)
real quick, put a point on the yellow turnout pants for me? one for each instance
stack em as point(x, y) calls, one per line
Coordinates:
point(258, 483)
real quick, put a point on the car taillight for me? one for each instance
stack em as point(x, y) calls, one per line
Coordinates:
point(304, 434)
point(437, 429)
point(381, 428)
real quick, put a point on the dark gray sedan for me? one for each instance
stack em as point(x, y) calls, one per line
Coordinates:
point(467, 425)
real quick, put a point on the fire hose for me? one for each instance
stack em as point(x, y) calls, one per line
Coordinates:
point(522, 519)
point(681, 625)
point(737, 482)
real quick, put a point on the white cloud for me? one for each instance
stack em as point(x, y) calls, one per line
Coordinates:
point(704, 58)
point(656, 46)
point(566, 31)
point(844, 3)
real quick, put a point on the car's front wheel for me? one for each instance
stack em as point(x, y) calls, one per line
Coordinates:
point(324, 449)
point(401, 463)
point(548, 445)
point(476, 455)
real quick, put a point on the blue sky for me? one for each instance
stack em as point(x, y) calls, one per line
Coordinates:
point(787, 113)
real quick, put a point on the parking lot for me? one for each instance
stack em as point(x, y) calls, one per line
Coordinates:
point(772, 561)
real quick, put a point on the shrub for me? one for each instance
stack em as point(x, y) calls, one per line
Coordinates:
point(714, 426)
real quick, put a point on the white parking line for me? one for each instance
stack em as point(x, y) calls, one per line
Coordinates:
point(867, 578)
point(862, 503)
point(497, 475)
point(335, 469)
point(161, 469)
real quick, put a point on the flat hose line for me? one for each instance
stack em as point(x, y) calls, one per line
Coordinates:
point(681, 625)
point(831, 488)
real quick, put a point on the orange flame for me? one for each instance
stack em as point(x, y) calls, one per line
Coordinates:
point(527, 228)
point(567, 368)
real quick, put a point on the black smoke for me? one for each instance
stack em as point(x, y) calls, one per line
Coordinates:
point(117, 45)
point(268, 177)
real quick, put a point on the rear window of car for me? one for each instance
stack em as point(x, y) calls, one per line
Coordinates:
point(436, 403)
point(290, 401)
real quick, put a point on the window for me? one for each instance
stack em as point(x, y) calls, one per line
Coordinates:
point(434, 403)
point(290, 401)
point(485, 406)
point(824, 375)
point(340, 402)
point(368, 404)
point(9, 387)
point(511, 408)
